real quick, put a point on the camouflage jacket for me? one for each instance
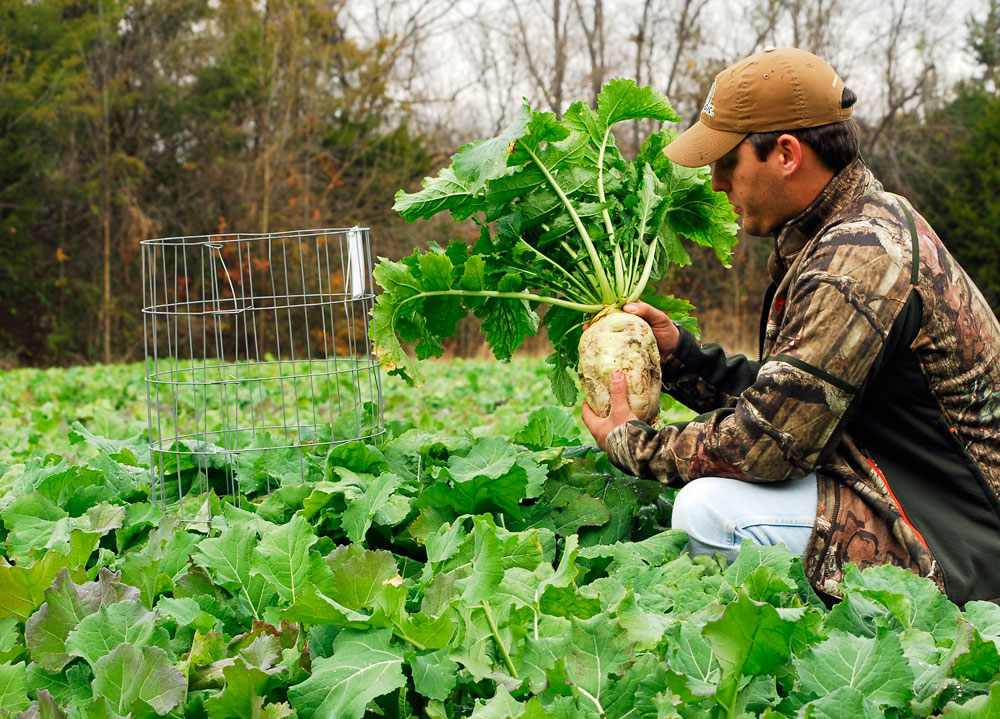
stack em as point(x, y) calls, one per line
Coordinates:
point(879, 371)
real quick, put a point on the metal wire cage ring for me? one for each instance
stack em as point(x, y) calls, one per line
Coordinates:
point(258, 357)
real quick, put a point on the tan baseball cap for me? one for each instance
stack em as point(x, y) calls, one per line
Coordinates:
point(776, 89)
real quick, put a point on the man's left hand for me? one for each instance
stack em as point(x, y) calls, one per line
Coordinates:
point(620, 412)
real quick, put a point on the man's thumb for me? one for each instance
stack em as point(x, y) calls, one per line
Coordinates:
point(618, 386)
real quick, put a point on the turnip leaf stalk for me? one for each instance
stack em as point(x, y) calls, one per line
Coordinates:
point(565, 220)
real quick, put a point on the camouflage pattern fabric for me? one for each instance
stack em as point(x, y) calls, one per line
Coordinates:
point(845, 277)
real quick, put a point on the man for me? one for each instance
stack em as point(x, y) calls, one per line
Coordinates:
point(869, 431)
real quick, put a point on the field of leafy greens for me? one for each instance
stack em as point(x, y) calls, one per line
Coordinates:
point(479, 560)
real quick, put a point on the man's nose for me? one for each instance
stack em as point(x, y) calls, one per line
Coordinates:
point(720, 180)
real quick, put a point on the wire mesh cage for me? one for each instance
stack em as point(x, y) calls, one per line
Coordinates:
point(258, 358)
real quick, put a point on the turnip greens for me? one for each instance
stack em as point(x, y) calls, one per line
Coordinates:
point(565, 220)
point(430, 573)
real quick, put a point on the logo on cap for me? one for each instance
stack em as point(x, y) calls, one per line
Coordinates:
point(708, 108)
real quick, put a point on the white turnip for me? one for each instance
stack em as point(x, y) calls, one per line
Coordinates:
point(621, 341)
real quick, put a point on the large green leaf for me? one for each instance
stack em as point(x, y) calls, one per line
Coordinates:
point(22, 588)
point(228, 556)
point(513, 185)
point(623, 100)
point(474, 645)
point(357, 575)
point(645, 627)
point(548, 427)
point(936, 670)
point(875, 666)
point(843, 702)
point(45, 631)
point(562, 379)
point(445, 192)
point(66, 605)
point(749, 639)
point(506, 323)
point(501, 706)
point(284, 557)
point(490, 457)
point(70, 687)
point(577, 512)
point(117, 479)
point(599, 649)
point(82, 486)
point(357, 518)
point(544, 650)
point(399, 285)
point(434, 674)
point(35, 525)
point(483, 160)
point(420, 630)
point(98, 634)
point(314, 607)
point(10, 638)
point(133, 676)
point(364, 665)
point(891, 596)
point(436, 275)
point(690, 654)
point(123, 450)
point(480, 494)
point(651, 551)
point(485, 571)
point(704, 216)
point(246, 687)
point(13, 688)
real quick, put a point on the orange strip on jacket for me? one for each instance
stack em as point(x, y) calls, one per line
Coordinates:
point(902, 512)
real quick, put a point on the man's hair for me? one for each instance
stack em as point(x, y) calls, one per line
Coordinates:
point(837, 144)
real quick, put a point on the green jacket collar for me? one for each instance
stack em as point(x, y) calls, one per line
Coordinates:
point(851, 183)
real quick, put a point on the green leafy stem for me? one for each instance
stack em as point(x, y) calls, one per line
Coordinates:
point(496, 637)
point(607, 294)
point(529, 296)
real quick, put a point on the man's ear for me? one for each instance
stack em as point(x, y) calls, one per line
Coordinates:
point(788, 152)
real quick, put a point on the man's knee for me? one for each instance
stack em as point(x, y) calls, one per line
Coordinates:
point(695, 511)
point(718, 513)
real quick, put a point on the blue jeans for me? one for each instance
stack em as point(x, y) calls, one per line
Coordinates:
point(719, 513)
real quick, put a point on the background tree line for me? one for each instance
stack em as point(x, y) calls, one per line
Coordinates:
point(123, 120)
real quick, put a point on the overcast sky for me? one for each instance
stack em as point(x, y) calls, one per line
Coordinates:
point(456, 47)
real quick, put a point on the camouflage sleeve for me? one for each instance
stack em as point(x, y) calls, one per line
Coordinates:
point(839, 308)
point(705, 378)
point(777, 430)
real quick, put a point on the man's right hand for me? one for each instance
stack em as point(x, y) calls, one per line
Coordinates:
point(664, 330)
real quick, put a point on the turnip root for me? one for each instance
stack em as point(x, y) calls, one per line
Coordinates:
point(621, 341)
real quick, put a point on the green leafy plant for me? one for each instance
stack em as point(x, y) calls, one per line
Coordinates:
point(565, 220)
point(436, 575)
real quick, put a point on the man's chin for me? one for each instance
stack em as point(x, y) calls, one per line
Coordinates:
point(752, 228)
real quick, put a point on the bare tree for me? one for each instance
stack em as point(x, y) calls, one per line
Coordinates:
point(685, 34)
point(403, 28)
point(909, 77)
point(500, 80)
point(666, 36)
point(592, 24)
point(104, 84)
point(548, 75)
point(813, 25)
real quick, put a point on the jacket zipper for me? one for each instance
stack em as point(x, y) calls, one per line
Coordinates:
point(765, 313)
point(814, 580)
